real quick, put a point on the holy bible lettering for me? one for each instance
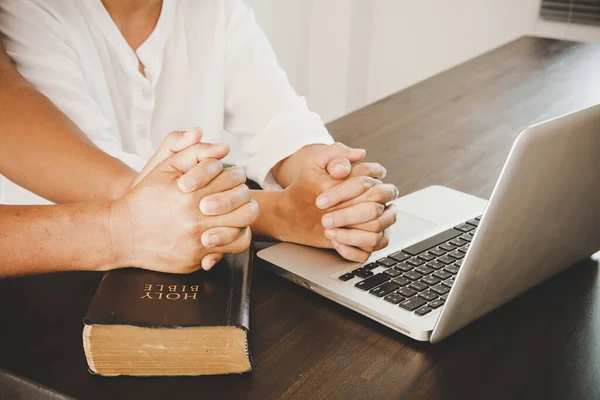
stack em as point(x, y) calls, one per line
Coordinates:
point(170, 292)
point(146, 323)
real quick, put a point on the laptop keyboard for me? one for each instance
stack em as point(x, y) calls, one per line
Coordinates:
point(419, 277)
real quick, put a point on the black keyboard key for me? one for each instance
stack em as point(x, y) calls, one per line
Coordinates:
point(384, 289)
point(427, 256)
point(346, 277)
point(399, 256)
point(479, 218)
point(453, 269)
point(430, 280)
point(424, 269)
point(413, 304)
point(394, 298)
point(432, 242)
point(446, 260)
point(406, 292)
point(457, 254)
point(393, 272)
point(464, 248)
point(405, 267)
point(436, 264)
point(465, 227)
point(423, 310)
point(373, 281)
point(386, 262)
point(371, 266)
point(402, 281)
point(444, 297)
point(442, 274)
point(412, 275)
point(447, 247)
point(474, 222)
point(363, 273)
point(458, 263)
point(415, 261)
point(428, 295)
point(440, 289)
point(458, 242)
point(466, 237)
point(438, 252)
point(449, 282)
point(436, 303)
point(418, 286)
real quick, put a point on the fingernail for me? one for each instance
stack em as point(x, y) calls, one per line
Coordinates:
point(211, 263)
point(384, 172)
point(322, 201)
point(207, 206)
point(330, 233)
point(327, 222)
point(187, 184)
point(342, 166)
point(211, 240)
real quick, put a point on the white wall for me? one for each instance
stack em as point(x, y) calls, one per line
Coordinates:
point(344, 54)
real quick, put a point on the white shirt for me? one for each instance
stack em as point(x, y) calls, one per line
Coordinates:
point(207, 64)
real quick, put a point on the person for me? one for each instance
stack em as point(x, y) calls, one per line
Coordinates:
point(128, 71)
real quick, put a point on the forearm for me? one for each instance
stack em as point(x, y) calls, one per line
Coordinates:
point(287, 170)
point(43, 151)
point(37, 239)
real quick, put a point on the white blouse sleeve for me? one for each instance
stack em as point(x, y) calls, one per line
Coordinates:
point(262, 108)
point(39, 45)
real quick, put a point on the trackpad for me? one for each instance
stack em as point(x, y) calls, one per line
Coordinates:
point(404, 232)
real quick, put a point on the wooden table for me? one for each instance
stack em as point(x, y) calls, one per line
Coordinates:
point(454, 129)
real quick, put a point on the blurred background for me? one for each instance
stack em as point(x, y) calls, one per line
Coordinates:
point(344, 54)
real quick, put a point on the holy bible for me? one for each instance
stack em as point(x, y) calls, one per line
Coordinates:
point(146, 323)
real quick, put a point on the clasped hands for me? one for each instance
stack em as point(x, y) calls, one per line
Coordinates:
point(185, 210)
point(339, 202)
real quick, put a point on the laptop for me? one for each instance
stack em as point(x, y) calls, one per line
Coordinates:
point(454, 257)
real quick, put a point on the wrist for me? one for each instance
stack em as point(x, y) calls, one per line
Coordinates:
point(122, 184)
point(273, 220)
point(119, 227)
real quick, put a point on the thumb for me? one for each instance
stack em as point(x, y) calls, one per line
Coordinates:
point(339, 150)
point(339, 168)
point(174, 142)
point(186, 159)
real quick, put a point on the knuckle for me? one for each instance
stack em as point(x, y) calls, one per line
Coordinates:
point(376, 210)
point(372, 169)
point(246, 240)
point(394, 215)
point(373, 239)
point(252, 212)
point(362, 257)
point(377, 225)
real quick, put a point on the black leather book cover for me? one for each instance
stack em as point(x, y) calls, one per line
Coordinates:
point(219, 297)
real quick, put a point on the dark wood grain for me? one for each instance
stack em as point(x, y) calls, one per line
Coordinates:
point(454, 129)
